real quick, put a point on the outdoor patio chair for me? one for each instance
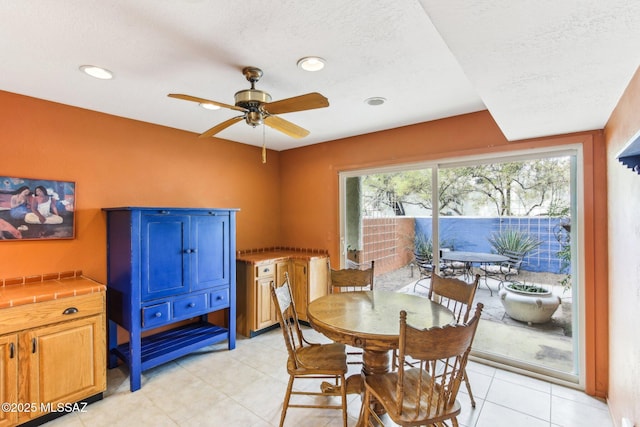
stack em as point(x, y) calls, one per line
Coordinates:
point(425, 268)
point(451, 268)
point(425, 394)
point(351, 280)
point(504, 271)
point(309, 360)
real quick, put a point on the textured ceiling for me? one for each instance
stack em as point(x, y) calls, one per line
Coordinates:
point(540, 68)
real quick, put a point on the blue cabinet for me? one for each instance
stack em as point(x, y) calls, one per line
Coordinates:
point(168, 265)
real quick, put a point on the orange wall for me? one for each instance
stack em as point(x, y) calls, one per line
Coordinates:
point(310, 209)
point(120, 162)
point(290, 201)
point(624, 260)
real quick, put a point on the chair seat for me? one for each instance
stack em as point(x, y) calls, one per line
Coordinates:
point(498, 269)
point(384, 389)
point(319, 358)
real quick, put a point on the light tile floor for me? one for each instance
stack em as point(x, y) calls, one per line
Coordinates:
point(245, 388)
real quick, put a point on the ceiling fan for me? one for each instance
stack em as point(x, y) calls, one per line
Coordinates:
point(258, 109)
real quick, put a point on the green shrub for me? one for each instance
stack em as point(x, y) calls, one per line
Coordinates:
point(514, 240)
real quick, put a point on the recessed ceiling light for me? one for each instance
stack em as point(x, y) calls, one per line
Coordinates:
point(208, 106)
point(375, 100)
point(311, 63)
point(97, 72)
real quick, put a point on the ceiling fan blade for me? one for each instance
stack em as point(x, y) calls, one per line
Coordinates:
point(221, 126)
point(205, 101)
point(309, 101)
point(285, 127)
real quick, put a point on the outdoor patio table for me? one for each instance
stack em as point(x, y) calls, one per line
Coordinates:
point(370, 320)
point(470, 258)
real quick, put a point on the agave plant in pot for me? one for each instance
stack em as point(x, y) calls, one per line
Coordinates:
point(528, 302)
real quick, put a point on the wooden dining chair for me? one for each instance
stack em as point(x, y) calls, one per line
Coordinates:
point(351, 280)
point(424, 394)
point(308, 360)
point(456, 295)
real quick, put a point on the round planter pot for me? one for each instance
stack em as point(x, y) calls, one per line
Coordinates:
point(530, 307)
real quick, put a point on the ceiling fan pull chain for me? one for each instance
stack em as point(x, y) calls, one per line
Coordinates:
point(264, 146)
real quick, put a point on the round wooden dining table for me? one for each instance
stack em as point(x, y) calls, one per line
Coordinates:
point(370, 320)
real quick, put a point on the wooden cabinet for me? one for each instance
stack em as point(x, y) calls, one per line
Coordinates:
point(256, 311)
point(168, 265)
point(53, 354)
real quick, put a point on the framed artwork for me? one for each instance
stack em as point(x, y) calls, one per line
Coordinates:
point(35, 209)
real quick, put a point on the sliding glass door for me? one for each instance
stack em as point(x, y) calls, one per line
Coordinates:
point(524, 204)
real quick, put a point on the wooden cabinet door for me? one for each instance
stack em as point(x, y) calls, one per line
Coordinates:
point(8, 378)
point(300, 287)
point(318, 278)
point(265, 315)
point(282, 267)
point(63, 363)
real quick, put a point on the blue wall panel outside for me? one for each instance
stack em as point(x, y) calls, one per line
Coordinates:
point(472, 234)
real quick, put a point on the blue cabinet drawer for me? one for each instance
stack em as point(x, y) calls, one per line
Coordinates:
point(155, 315)
point(219, 298)
point(184, 308)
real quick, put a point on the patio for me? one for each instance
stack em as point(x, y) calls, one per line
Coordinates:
point(549, 345)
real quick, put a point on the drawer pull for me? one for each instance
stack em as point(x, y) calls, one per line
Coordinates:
point(158, 314)
point(70, 310)
point(191, 305)
point(11, 351)
point(33, 345)
point(164, 212)
point(219, 297)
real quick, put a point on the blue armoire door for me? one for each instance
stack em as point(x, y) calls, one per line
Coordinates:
point(164, 255)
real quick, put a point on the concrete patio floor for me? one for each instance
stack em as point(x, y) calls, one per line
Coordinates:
point(548, 345)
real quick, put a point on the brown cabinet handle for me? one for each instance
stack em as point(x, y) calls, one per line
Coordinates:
point(11, 350)
point(70, 310)
point(33, 345)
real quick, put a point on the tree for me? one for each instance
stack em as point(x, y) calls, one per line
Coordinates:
point(522, 188)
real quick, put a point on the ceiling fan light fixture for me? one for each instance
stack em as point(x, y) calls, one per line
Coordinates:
point(208, 106)
point(375, 101)
point(311, 63)
point(97, 72)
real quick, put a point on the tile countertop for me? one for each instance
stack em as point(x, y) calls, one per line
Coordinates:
point(258, 256)
point(29, 293)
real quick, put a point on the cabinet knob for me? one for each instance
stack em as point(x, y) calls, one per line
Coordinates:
point(158, 314)
point(164, 212)
point(219, 297)
point(191, 305)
